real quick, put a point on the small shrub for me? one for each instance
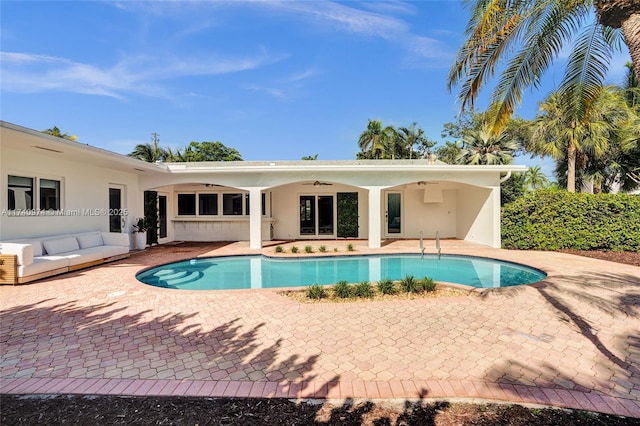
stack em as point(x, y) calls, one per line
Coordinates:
point(322, 249)
point(308, 249)
point(364, 289)
point(316, 291)
point(386, 286)
point(335, 249)
point(410, 285)
point(294, 249)
point(350, 247)
point(342, 289)
point(428, 284)
point(279, 249)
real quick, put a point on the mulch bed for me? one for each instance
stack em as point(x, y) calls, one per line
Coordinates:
point(116, 410)
point(628, 257)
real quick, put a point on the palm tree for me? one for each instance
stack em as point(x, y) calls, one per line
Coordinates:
point(567, 134)
point(482, 147)
point(376, 140)
point(534, 178)
point(54, 131)
point(410, 136)
point(529, 35)
point(172, 157)
point(148, 152)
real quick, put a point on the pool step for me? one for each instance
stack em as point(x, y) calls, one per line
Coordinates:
point(187, 277)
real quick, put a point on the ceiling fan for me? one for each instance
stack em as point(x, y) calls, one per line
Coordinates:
point(317, 183)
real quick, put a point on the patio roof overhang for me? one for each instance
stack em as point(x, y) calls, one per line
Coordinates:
point(362, 173)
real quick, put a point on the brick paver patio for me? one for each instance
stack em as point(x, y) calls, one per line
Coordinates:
point(572, 341)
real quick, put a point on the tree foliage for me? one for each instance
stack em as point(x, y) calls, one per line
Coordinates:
point(195, 151)
point(521, 39)
point(54, 131)
point(585, 143)
point(210, 151)
point(386, 142)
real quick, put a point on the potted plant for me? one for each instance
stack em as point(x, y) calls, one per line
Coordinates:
point(140, 233)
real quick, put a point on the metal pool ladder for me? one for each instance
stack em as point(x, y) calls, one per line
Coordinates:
point(421, 245)
point(437, 243)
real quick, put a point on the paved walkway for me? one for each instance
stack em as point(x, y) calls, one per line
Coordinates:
point(571, 341)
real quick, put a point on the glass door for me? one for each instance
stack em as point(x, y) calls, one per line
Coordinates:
point(116, 208)
point(162, 216)
point(394, 213)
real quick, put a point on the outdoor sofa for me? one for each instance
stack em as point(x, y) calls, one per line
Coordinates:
point(22, 261)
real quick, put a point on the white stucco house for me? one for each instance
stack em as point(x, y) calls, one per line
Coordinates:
point(52, 186)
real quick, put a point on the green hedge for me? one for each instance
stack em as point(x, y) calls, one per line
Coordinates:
point(555, 220)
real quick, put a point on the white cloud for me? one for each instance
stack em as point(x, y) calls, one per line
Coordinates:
point(287, 87)
point(31, 73)
point(344, 17)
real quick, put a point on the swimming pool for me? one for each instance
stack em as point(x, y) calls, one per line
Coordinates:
point(257, 271)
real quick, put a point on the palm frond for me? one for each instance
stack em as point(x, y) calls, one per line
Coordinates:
point(587, 67)
point(544, 40)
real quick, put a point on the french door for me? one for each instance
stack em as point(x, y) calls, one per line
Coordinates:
point(393, 214)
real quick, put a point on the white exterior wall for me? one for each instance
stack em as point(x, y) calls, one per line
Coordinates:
point(286, 209)
point(208, 228)
point(429, 217)
point(478, 219)
point(84, 187)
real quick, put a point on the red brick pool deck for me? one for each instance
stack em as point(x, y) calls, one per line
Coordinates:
point(571, 341)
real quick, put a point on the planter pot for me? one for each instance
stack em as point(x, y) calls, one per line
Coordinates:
point(140, 240)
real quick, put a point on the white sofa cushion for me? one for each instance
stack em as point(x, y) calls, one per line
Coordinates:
point(78, 257)
point(24, 252)
point(93, 239)
point(115, 239)
point(110, 251)
point(37, 247)
point(60, 245)
point(43, 264)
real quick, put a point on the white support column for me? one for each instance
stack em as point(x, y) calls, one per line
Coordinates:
point(255, 218)
point(375, 218)
point(496, 237)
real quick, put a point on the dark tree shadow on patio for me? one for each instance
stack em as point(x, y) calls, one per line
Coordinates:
point(71, 340)
point(572, 297)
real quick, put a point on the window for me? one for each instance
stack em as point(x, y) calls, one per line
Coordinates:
point(49, 194)
point(186, 204)
point(232, 204)
point(208, 204)
point(20, 193)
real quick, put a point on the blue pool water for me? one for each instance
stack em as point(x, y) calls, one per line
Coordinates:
point(243, 272)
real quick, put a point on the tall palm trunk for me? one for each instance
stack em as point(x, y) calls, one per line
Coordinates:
point(571, 167)
point(623, 14)
point(631, 30)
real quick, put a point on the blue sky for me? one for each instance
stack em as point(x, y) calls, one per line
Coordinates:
point(275, 80)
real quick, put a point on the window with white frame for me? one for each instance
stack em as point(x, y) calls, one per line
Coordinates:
point(186, 204)
point(49, 194)
point(208, 204)
point(216, 204)
point(22, 193)
point(232, 204)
